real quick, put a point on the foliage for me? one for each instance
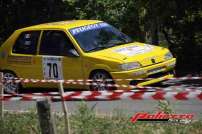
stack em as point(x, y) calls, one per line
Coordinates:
point(19, 123)
point(164, 105)
point(179, 21)
point(85, 121)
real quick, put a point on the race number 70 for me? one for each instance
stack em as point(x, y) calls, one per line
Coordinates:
point(52, 68)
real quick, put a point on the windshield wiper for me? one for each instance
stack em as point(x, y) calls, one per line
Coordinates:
point(97, 48)
point(121, 43)
point(112, 45)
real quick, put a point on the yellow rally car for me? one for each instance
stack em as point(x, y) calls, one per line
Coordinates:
point(81, 49)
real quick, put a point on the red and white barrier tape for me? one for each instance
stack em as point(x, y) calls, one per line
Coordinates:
point(25, 80)
point(159, 93)
point(122, 86)
point(90, 82)
point(138, 89)
point(111, 95)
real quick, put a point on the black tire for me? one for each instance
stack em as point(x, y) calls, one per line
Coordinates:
point(10, 86)
point(101, 81)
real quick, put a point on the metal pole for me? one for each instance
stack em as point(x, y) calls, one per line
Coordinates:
point(1, 96)
point(64, 107)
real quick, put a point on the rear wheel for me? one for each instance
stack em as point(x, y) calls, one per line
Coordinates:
point(10, 86)
point(101, 80)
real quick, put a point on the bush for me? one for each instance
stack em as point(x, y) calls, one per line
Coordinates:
point(85, 121)
point(16, 123)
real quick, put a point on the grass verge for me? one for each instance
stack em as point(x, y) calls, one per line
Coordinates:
point(85, 121)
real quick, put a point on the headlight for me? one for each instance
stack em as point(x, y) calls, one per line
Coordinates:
point(130, 66)
point(168, 56)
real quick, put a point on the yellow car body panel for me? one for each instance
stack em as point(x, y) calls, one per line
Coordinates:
point(110, 59)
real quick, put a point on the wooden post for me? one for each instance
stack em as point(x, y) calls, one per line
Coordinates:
point(1, 96)
point(46, 121)
point(64, 107)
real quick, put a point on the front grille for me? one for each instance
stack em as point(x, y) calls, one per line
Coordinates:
point(160, 74)
point(156, 70)
point(153, 76)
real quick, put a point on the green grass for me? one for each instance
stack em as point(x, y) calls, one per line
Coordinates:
point(85, 121)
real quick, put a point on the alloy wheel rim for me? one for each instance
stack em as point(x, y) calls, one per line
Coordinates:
point(11, 86)
point(99, 82)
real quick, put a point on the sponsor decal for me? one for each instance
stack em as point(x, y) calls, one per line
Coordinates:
point(134, 50)
point(159, 116)
point(82, 29)
point(19, 59)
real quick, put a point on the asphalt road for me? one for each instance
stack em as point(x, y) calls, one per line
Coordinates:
point(126, 107)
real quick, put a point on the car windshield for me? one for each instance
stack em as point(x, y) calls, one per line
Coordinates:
point(99, 36)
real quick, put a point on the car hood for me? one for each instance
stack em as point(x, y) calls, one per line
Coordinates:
point(145, 54)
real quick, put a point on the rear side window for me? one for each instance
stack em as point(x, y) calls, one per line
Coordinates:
point(26, 43)
point(55, 43)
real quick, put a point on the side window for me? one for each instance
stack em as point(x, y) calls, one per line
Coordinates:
point(55, 43)
point(26, 43)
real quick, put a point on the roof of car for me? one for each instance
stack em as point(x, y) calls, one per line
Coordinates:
point(62, 24)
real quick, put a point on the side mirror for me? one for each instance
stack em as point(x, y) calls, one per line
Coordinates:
point(72, 53)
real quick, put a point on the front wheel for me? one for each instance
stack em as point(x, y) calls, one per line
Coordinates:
point(101, 80)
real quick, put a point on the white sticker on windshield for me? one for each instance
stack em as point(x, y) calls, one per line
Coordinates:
point(52, 68)
point(134, 50)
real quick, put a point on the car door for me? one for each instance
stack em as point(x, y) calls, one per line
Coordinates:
point(57, 60)
point(22, 59)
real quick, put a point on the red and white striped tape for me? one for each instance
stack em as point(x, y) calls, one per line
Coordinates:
point(25, 80)
point(111, 95)
point(91, 82)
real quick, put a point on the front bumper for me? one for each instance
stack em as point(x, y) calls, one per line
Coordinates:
point(158, 72)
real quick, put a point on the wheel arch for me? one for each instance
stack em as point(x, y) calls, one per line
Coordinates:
point(9, 71)
point(99, 70)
